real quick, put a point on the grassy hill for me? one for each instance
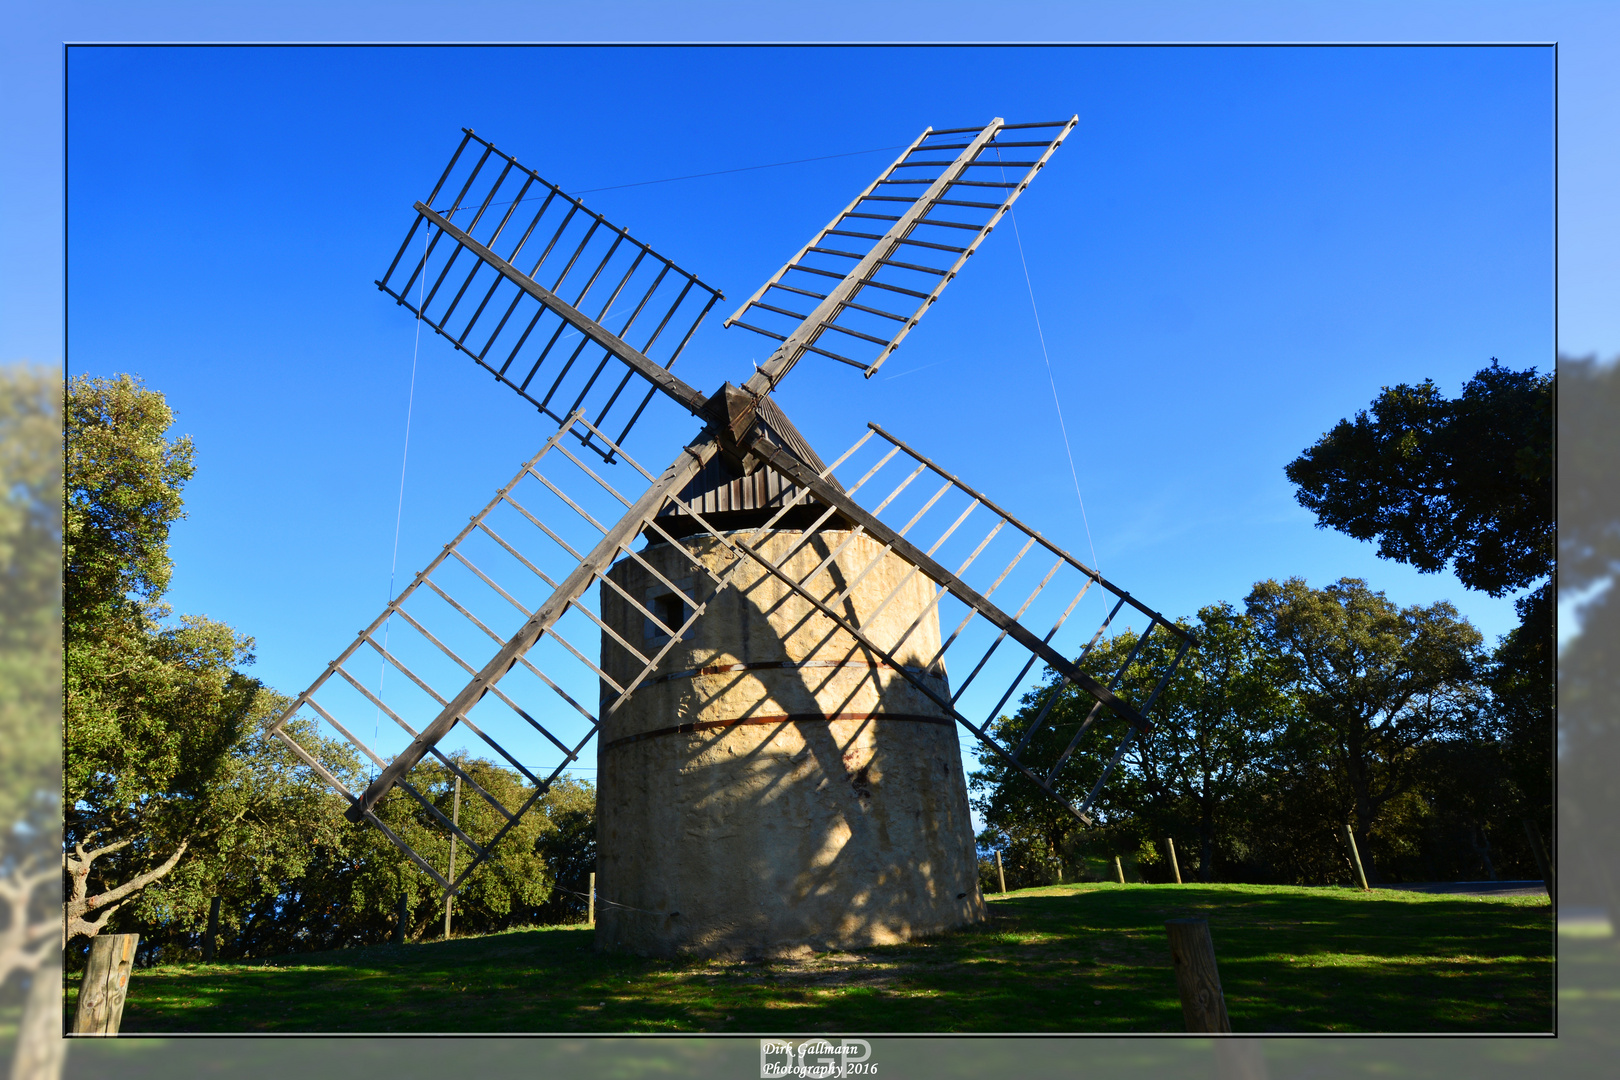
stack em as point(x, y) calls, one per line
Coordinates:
point(1088, 958)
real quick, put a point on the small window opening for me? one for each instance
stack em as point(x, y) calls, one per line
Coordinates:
point(668, 609)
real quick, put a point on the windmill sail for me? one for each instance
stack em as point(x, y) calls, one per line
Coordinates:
point(531, 556)
point(557, 302)
point(861, 284)
point(982, 629)
point(411, 666)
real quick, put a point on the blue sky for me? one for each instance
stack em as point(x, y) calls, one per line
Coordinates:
point(1237, 247)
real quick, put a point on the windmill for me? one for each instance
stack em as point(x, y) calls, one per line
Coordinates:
point(784, 658)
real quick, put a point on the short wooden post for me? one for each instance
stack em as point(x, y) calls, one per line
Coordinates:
point(1198, 980)
point(1355, 857)
point(455, 819)
point(1170, 846)
point(1000, 876)
point(590, 902)
point(1543, 862)
point(404, 917)
point(105, 985)
point(213, 929)
point(1119, 870)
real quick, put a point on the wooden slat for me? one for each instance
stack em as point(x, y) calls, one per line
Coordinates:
point(648, 368)
point(691, 459)
point(785, 463)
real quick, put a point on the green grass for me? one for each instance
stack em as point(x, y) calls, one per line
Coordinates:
point(1067, 958)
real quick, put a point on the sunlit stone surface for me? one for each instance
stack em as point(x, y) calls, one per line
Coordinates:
point(735, 817)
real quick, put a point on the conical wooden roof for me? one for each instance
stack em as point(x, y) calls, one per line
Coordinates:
point(728, 498)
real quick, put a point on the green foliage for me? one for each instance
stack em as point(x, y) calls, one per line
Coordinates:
point(568, 845)
point(513, 881)
point(1522, 678)
point(151, 714)
point(123, 493)
point(153, 709)
point(1311, 709)
point(1031, 829)
point(162, 750)
point(1213, 725)
point(165, 748)
point(340, 885)
point(268, 819)
point(1374, 685)
point(1469, 481)
point(1434, 480)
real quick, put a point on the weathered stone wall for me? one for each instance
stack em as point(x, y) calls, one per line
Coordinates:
point(773, 788)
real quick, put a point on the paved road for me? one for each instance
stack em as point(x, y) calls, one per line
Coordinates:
point(1475, 888)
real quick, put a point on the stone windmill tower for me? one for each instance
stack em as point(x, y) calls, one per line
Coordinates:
point(780, 672)
point(778, 784)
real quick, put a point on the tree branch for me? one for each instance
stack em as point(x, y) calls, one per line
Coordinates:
point(73, 922)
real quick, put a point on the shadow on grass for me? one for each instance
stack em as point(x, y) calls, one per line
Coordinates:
point(1089, 958)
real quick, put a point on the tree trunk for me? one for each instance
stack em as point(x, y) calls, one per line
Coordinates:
point(40, 1045)
point(1480, 841)
point(1206, 842)
point(79, 903)
point(212, 932)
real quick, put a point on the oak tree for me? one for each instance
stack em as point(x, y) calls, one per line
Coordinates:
point(1375, 684)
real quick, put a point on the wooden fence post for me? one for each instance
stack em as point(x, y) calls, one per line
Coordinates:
point(1000, 876)
point(1119, 870)
point(1549, 874)
point(1198, 980)
point(105, 985)
point(213, 929)
point(590, 909)
point(1170, 846)
point(455, 819)
point(1355, 857)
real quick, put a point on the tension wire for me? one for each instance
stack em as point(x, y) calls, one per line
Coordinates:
point(399, 509)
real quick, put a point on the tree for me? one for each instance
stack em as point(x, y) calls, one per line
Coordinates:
point(151, 708)
point(177, 798)
point(1375, 684)
point(568, 844)
point(268, 817)
point(1214, 724)
point(1465, 481)
point(1469, 482)
point(124, 478)
point(1193, 773)
point(1031, 828)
